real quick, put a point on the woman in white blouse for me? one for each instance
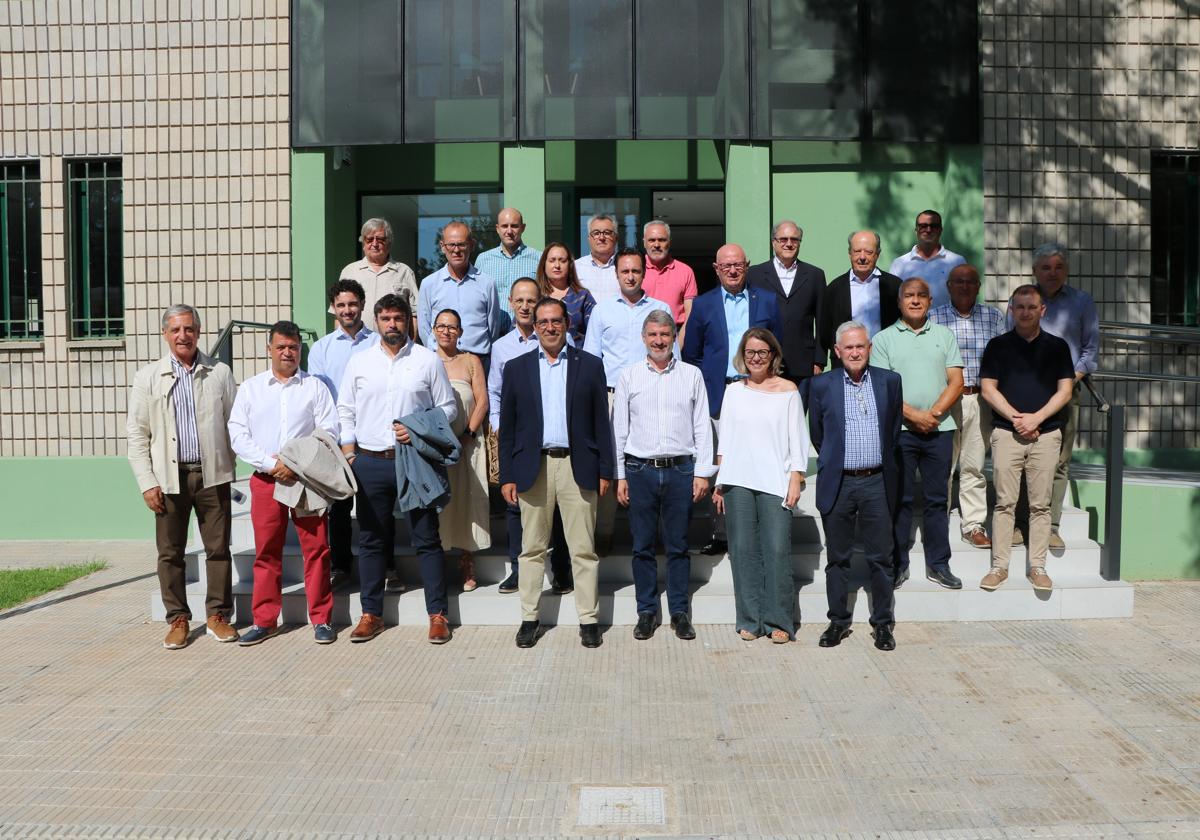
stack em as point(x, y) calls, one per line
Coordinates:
point(762, 454)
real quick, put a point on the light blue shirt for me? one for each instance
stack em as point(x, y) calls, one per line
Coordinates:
point(933, 271)
point(506, 270)
point(614, 333)
point(737, 321)
point(504, 350)
point(474, 299)
point(553, 379)
point(864, 302)
point(328, 357)
point(863, 449)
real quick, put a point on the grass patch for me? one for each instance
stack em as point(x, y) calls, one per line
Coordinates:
point(19, 585)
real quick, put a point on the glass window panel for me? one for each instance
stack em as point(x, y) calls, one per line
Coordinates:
point(808, 69)
point(460, 70)
point(627, 212)
point(924, 71)
point(577, 69)
point(346, 61)
point(417, 220)
point(1175, 243)
point(95, 225)
point(693, 78)
point(20, 251)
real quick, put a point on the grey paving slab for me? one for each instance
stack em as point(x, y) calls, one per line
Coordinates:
point(979, 731)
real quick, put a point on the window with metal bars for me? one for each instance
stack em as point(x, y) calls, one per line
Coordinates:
point(1175, 238)
point(94, 234)
point(20, 250)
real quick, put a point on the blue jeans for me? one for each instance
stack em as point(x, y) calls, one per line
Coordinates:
point(377, 537)
point(862, 500)
point(660, 497)
point(760, 550)
point(931, 454)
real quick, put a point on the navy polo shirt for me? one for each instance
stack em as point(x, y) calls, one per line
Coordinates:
point(1027, 373)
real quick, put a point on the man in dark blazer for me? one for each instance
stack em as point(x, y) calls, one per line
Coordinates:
point(854, 419)
point(798, 287)
point(864, 294)
point(556, 447)
point(710, 343)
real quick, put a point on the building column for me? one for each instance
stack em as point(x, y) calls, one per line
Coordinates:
point(748, 199)
point(310, 246)
point(524, 185)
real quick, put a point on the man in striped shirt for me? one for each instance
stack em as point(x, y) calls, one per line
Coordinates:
point(664, 451)
point(974, 324)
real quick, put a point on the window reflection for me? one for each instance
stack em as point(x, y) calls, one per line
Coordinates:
point(417, 220)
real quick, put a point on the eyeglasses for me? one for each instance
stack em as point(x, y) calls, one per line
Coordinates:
point(602, 234)
point(731, 266)
point(758, 354)
point(928, 226)
point(455, 246)
point(382, 239)
point(787, 239)
point(549, 322)
point(447, 327)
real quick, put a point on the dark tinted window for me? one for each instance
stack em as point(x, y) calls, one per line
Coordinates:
point(94, 201)
point(1174, 239)
point(20, 250)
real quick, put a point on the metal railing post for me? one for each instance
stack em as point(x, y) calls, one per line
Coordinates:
point(1114, 476)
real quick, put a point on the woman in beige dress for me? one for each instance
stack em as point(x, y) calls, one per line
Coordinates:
point(464, 522)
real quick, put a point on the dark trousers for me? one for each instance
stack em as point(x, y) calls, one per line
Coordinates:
point(213, 518)
point(377, 536)
point(660, 498)
point(560, 556)
point(861, 501)
point(340, 534)
point(931, 455)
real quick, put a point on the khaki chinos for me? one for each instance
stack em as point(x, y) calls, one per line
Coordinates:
point(1012, 457)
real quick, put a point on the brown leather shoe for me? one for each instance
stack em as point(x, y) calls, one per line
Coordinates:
point(220, 629)
point(1040, 580)
point(369, 626)
point(439, 629)
point(177, 636)
point(978, 538)
point(993, 579)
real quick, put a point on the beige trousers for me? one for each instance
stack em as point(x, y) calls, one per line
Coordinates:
point(556, 485)
point(1062, 467)
point(974, 420)
point(1013, 456)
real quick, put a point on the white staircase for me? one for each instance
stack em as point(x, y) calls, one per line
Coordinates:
point(1079, 591)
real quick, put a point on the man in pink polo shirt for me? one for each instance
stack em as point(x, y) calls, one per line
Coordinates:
point(667, 279)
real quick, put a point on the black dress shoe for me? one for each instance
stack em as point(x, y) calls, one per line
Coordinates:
point(899, 579)
point(833, 635)
point(528, 634)
point(683, 626)
point(562, 586)
point(647, 623)
point(715, 548)
point(589, 635)
point(943, 578)
point(884, 640)
point(509, 584)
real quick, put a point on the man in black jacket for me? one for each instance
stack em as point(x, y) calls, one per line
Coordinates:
point(864, 294)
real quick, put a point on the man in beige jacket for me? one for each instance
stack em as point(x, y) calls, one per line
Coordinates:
point(181, 457)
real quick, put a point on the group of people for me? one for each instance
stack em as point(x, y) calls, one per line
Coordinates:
point(578, 385)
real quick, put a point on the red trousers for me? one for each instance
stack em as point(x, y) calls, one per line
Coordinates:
point(270, 529)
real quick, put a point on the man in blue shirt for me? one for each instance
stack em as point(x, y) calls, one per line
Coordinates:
point(511, 260)
point(327, 361)
point(460, 286)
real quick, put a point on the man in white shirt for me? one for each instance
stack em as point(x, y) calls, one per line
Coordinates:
point(327, 361)
point(377, 272)
point(929, 259)
point(597, 270)
point(391, 380)
point(271, 408)
point(664, 463)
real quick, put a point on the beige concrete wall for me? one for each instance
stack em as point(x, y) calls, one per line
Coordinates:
point(192, 96)
point(1075, 96)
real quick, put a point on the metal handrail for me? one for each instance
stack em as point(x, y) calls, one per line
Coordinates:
point(1160, 333)
point(1114, 475)
point(222, 349)
point(1135, 376)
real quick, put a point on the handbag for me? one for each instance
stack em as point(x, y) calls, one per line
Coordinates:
point(492, 443)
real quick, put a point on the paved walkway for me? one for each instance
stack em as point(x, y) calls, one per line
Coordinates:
point(976, 731)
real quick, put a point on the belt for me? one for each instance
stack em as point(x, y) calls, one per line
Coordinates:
point(863, 473)
point(970, 389)
point(611, 390)
point(264, 476)
point(386, 454)
point(729, 380)
point(191, 467)
point(556, 451)
point(662, 463)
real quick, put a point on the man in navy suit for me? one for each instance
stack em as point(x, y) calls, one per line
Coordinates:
point(556, 447)
point(719, 319)
point(854, 421)
point(798, 287)
point(864, 294)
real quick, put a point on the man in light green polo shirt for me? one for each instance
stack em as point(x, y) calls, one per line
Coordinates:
point(926, 356)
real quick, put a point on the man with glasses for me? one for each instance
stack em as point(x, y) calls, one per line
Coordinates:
point(512, 259)
point(797, 286)
point(929, 259)
point(864, 294)
point(556, 447)
point(461, 286)
point(377, 272)
point(719, 319)
point(597, 270)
